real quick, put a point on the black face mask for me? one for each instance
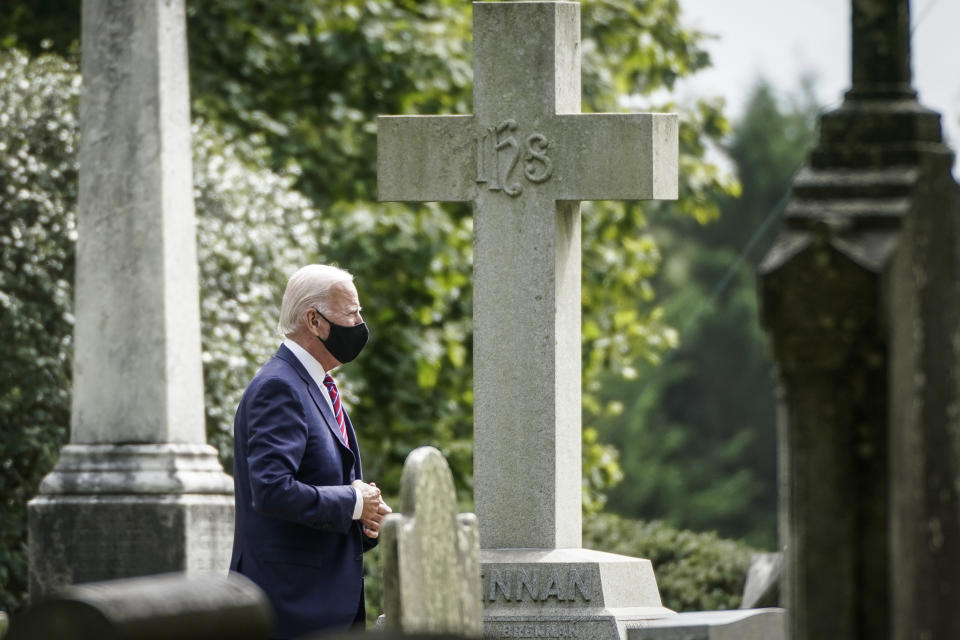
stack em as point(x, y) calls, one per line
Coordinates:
point(345, 343)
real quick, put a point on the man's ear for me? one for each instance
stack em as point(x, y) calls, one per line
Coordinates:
point(313, 318)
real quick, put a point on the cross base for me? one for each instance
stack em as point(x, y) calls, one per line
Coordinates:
point(566, 593)
point(738, 624)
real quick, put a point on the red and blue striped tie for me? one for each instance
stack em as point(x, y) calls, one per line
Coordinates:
point(337, 409)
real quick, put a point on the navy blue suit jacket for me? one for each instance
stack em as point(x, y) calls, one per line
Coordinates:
point(295, 535)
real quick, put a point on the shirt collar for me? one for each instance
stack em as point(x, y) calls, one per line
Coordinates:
point(314, 368)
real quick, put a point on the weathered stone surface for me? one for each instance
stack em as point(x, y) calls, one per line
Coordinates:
point(430, 554)
point(525, 159)
point(87, 538)
point(924, 396)
point(172, 468)
point(859, 295)
point(881, 47)
point(566, 593)
point(535, 579)
point(137, 490)
point(762, 587)
point(224, 607)
point(137, 368)
point(756, 624)
point(385, 634)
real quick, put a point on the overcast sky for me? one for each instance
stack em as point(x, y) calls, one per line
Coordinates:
point(782, 39)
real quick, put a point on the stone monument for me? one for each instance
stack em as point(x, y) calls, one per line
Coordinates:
point(525, 159)
point(173, 605)
point(430, 554)
point(859, 296)
point(137, 490)
point(738, 624)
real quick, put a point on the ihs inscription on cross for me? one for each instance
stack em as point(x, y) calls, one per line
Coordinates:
point(526, 158)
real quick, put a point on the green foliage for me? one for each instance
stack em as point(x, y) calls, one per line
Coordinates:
point(311, 77)
point(40, 25)
point(37, 197)
point(697, 440)
point(695, 571)
point(413, 385)
point(253, 231)
point(771, 140)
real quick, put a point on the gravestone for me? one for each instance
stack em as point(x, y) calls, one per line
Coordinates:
point(385, 634)
point(739, 624)
point(162, 607)
point(525, 159)
point(762, 586)
point(137, 490)
point(859, 296)
point(430, 554)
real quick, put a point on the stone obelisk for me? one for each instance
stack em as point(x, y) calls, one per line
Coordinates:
point(137, 490)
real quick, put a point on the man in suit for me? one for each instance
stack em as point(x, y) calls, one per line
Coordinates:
point(304, 514)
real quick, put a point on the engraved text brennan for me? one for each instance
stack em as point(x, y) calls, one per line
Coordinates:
point(537, 584)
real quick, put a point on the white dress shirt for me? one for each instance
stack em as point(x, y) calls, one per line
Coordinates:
point(316, 371)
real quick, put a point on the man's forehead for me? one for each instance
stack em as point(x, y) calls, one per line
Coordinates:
point(345, 294)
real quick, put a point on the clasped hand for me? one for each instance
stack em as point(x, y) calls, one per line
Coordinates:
point(374, 508)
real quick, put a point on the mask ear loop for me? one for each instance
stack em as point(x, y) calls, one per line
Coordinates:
point(317, 323)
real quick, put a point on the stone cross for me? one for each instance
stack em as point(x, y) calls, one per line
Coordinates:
point(137, 490)
point(431, 555)
point(525, 159)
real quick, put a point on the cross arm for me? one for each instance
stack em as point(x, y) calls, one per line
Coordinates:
point(425, 158)
point(616, 156)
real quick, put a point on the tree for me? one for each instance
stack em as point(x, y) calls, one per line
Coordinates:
point(698, 442)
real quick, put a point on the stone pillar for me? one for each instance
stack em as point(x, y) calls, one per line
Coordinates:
point(859, 296)
point(137, 490)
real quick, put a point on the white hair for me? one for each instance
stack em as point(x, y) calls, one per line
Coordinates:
point(308, 288)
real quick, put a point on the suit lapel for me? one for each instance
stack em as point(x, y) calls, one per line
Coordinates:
point(331, 420)
point(354, 446)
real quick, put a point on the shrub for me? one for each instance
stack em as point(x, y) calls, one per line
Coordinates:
point(253, 232)
point(38, 173)
point(695, 571)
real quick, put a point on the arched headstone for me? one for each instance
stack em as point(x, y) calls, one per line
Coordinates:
point(431, 554)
